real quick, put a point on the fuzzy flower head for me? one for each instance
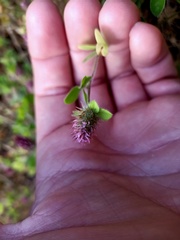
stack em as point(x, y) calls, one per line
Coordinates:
point(84, 124)
point(86, 120)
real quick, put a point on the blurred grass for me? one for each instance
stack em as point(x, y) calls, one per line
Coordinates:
point(17, 126)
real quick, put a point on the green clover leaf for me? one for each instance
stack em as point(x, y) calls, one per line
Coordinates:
point(85, 81)
point(157, 7)
point(104, 114)
point(72, 95)
point(94, 106)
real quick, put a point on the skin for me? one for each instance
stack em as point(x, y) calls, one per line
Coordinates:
point(126, 183)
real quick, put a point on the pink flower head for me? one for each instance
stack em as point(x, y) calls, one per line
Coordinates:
point(84, 124)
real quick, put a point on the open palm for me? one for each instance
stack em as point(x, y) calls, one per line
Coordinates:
point(125, 184)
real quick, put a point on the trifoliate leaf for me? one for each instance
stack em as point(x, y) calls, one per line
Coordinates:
point(101, 46)
point(104, 114)
point(157, 6)
point(72, 96)
point(94, 106)
point(85, 81)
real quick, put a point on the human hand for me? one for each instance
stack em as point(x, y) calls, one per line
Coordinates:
point(125, 184)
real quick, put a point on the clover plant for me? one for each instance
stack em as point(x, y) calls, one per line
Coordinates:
point(88, 115)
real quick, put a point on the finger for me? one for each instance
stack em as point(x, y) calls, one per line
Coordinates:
point(152, 61)
point(51, 66)
point(81, 18)
point(116, 20)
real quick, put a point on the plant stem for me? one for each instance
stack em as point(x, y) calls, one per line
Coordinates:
point(95, 66)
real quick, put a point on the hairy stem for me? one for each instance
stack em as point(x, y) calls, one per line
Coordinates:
point(95, 66)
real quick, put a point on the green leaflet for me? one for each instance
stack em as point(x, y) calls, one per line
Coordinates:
point(85, 81)
point(101, 112)
point(73, 95)
point(94, 106)
point(87, 47)
point(157, 6)
point(91, 55)
point(104, 114)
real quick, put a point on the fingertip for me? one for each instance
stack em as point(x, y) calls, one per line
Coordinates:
point(51, 66)
point(147, 45)
point(81, 18)
point(44, 30)
point(152, 60)
point(117, 18)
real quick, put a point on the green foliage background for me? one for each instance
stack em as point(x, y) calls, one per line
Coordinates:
point(17, 164)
